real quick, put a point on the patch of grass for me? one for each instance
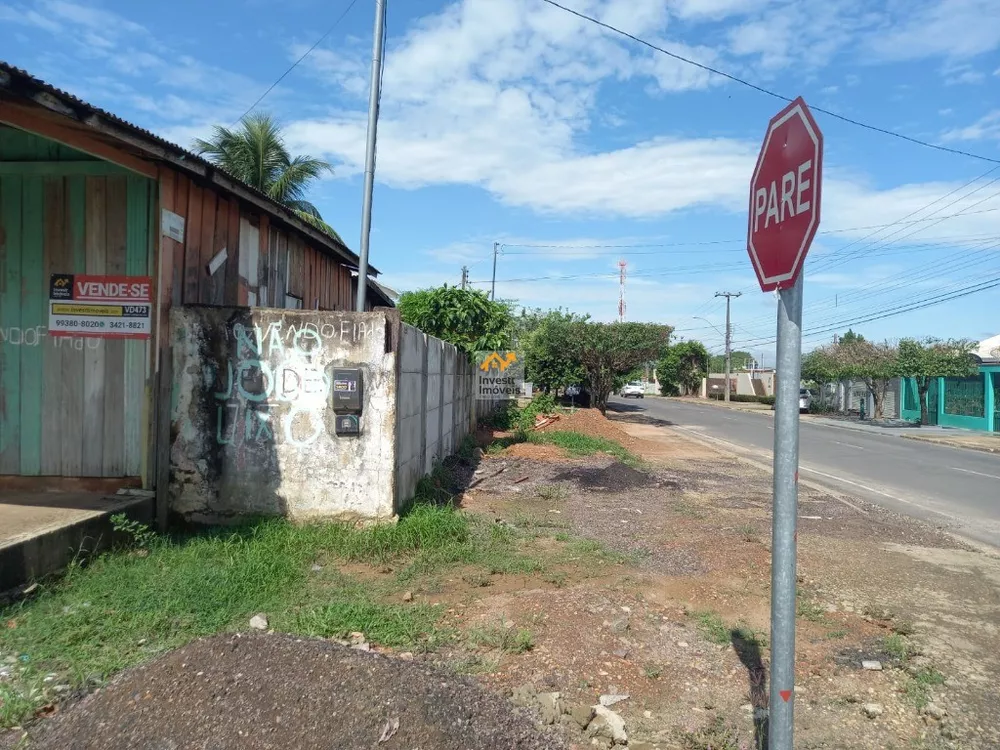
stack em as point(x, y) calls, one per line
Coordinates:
point(551, 492)
point(897, 646)
point(718, 735)
point(122, 609)
point(652, 671)
point(836, 634)
point(713, 627)
point(562, 536)
point(578, 444)
point(478, 580)
point(499, 637)
point(810, 610)
point(918, 687)
point(556, 578)
point(387, 624)
point(749, 636)
point(748, 532)
point(476, 664)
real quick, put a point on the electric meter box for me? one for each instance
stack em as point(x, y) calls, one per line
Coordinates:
point(346, 392)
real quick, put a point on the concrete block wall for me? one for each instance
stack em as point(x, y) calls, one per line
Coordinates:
point(436, 406)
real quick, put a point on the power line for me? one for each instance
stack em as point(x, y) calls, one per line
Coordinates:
point(742, 241)
point(295, 64)
point(899, 310)
point(769, 92)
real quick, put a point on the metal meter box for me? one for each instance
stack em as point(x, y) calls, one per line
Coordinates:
point(347, 424)
point(346, 393)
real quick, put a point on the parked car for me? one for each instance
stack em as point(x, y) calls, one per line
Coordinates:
point(805, 399)
point(633, 389)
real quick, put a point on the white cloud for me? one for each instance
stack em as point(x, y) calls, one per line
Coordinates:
point(938, 28)
point(986, 127)
point(714, 9)
point(961, 73)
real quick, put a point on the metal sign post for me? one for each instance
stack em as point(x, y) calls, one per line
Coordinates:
point(785, 513)
point(785, 194)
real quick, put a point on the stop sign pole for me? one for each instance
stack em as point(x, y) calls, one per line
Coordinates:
point(785, 196)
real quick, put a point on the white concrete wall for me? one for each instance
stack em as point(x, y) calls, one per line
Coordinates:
point(254, 431)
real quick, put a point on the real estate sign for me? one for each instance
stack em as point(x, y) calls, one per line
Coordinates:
point(100, 306)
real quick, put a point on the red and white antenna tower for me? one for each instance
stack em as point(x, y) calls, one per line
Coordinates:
point(621, 290)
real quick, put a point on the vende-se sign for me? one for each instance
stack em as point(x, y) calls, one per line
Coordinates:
point(785, 194)
point(100, 306)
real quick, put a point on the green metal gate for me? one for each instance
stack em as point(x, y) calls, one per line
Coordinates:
point(996, 402)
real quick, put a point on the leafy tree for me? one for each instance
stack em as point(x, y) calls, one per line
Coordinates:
point(926, 359)
point(717, 362)
point(609, 351)
point(255, 153)
point(852, 338)
point(873, 364)
point(682, 367)
point(467, 318)
point(550, 365)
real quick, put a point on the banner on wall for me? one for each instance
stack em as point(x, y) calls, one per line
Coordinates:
point(100, 306)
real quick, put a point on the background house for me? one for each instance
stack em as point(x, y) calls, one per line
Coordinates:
point(970, 402)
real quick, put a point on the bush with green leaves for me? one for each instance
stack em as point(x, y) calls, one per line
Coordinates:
point(467, 318)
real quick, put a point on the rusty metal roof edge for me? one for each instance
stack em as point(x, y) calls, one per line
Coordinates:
point(68, 105)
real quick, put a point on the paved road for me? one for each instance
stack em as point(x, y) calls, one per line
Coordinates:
point(956, 487)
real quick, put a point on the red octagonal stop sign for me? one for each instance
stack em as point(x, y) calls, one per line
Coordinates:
point(785, 197)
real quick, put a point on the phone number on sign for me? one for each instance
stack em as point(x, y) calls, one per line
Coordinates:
point(99, 324)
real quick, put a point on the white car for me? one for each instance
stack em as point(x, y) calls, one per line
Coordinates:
point(633, 389)
point(805, 399)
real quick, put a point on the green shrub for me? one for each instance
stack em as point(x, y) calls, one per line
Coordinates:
point(743, 398)
point(543, 403)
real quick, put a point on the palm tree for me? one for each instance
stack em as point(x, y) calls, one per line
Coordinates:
point(255, 153)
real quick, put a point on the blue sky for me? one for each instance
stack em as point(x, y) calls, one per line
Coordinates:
point(515, 122)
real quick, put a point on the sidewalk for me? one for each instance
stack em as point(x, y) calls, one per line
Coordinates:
point(951, 436)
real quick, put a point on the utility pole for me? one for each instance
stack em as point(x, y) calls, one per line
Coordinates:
point(465, 276)
point(621, 290)
point(729, 337)
point(374, 96)
point(493, 287)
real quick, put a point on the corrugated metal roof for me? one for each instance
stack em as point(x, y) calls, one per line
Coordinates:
point(21, 82)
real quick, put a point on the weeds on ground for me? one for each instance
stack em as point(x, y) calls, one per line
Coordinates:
point(578, 444)
point(810, 610)
point(718, 735)
point(918, 687)
point(713, 627)
point(652, 671)
point(897, 646)
point(141, 535)
point(748, 532)
point(551, 492)
point(499, 637)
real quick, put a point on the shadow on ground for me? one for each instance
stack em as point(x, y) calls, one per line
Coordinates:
point(748, 649)
point(637, 415)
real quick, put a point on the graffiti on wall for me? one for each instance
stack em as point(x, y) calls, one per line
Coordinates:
point(33, 336)
point(274, 388)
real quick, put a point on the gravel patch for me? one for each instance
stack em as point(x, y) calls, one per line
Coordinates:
point(264, 692)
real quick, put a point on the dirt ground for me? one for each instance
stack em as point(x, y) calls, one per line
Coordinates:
point(696, 524)
point(271, 692)
point(673, 613)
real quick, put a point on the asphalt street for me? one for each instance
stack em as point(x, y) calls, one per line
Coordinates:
point(953, 487)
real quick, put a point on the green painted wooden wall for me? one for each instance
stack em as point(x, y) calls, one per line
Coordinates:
point(68, 406)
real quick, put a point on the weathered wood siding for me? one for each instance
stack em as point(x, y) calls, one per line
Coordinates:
point(68, 406)
point(267, 265)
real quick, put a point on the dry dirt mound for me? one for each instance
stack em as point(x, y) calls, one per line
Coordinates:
point(275, 691)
